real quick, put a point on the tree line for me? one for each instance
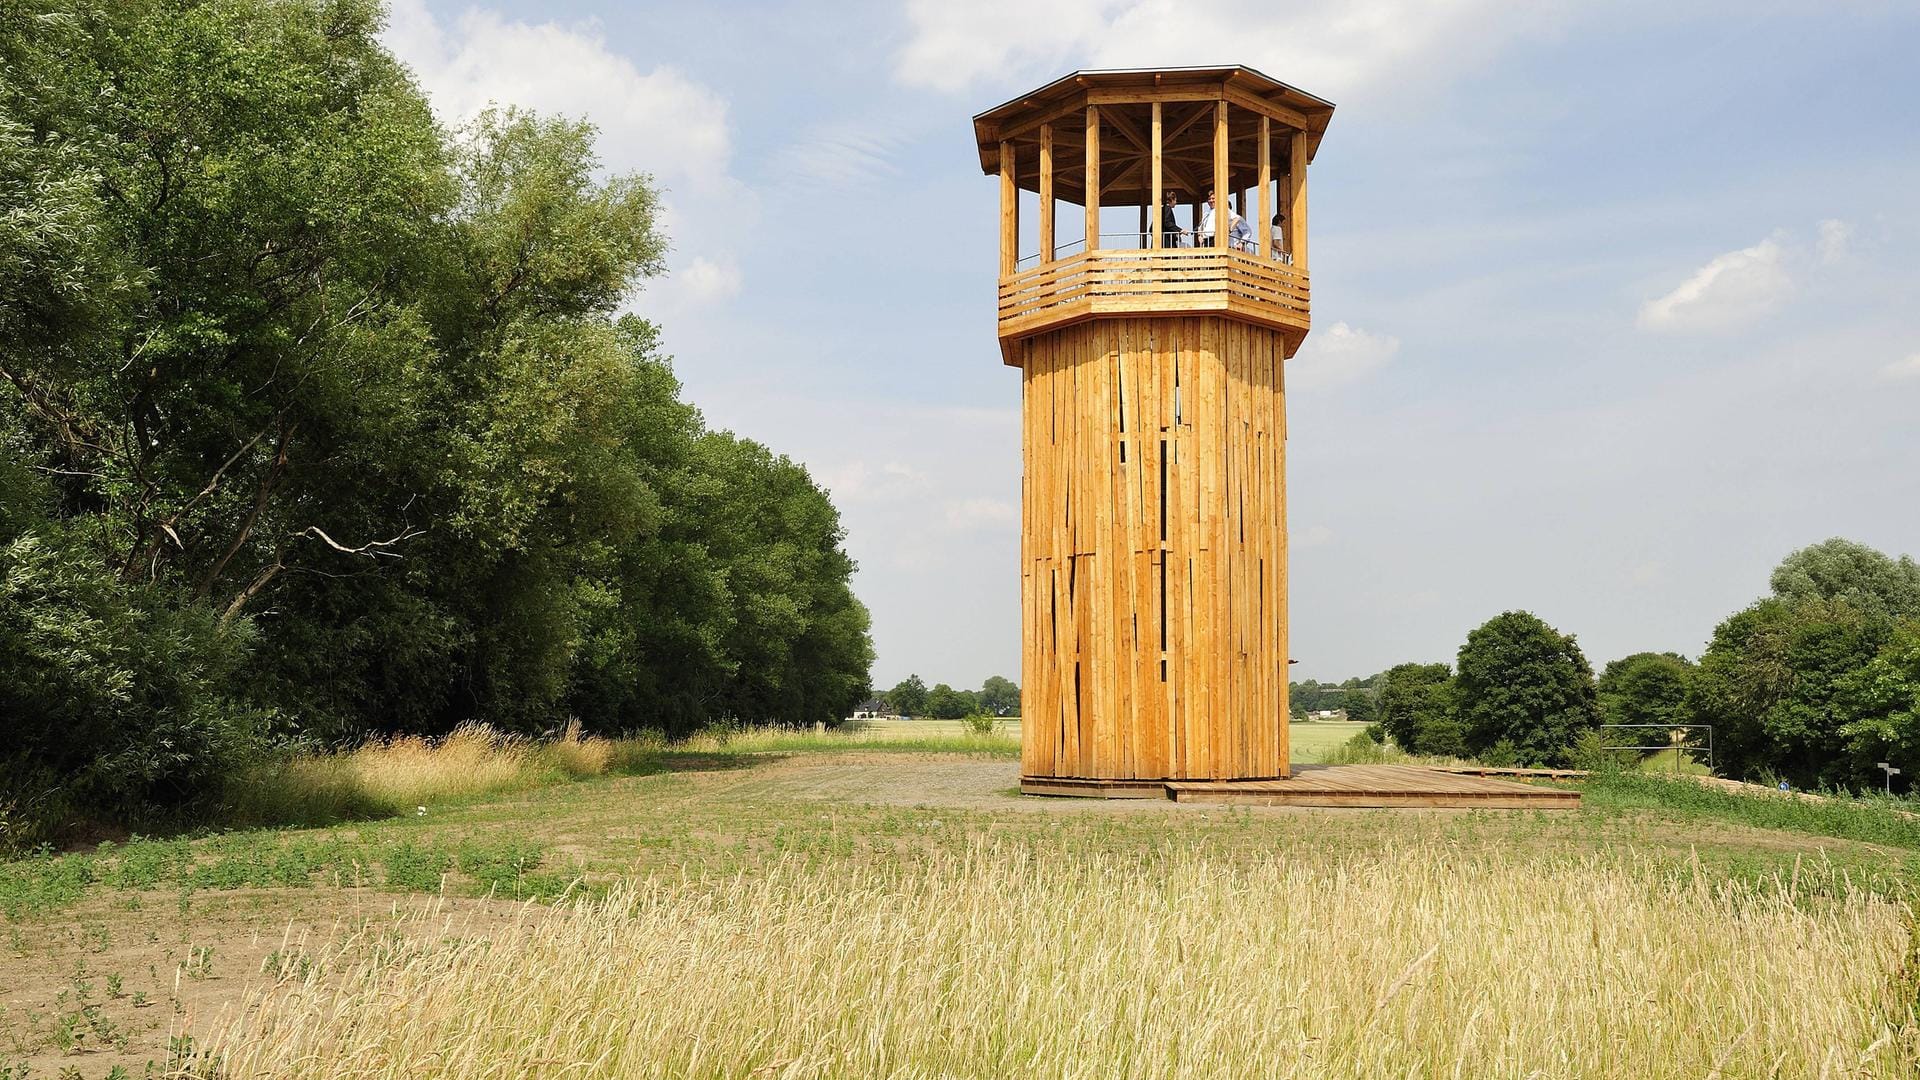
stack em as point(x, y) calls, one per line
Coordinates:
point(1814, 684)
point(319, 420)
point(998, 696)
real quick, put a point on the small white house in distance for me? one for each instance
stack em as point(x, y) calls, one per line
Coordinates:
point(871, 709)
point(1328, 714)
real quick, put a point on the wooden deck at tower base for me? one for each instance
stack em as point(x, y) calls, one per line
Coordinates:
point(1410, 786)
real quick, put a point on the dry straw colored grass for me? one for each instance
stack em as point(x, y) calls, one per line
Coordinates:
point(392, 776)
point(1421, 962)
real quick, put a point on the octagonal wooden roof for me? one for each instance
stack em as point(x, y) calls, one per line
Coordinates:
point(1187, 95)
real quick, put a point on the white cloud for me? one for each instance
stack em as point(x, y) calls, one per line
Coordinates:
point(1904, 369)
point(1731, 290)
point(659, 121)
point(1333, 49)
point(861, 481)
point(1338, 354)
point(978, 513)
point(1835, 236)
point(838, 155)
point(705, 280)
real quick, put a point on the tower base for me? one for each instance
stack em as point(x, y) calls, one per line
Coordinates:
point(1359, 786)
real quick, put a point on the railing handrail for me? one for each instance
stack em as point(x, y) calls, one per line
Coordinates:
point(1119, 280)
point(1077, 246)
point(1067, 263)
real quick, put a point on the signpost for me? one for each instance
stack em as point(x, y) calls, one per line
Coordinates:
point(1887, 767)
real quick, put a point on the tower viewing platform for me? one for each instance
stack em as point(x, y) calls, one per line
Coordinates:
point(1148, 161)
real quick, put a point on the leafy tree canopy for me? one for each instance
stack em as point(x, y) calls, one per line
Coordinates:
point(999, 696)
point(318, 420)
point(1770, 682)
point(1853, 574)
point(1524, 690)
point(1416, 706)
point(909, 697)
point(1645, 688)
point(946, 703)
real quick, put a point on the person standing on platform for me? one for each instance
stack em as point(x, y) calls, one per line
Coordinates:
point(1239, 231)
point(1169, 226)
point(1239, 235)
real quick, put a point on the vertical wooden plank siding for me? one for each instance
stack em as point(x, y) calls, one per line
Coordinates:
point(1009, 213)
point(1111, 439)
point(1282, 654)
point(1157, 165)
point(1297, 213)
point(1046, 193)
point(1263, 228)
point(1093, 177)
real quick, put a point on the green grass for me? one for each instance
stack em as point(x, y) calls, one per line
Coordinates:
point(1312, 740)
point(1872, 820)
point(401, 856)
point(897, 739)
point(675, 821)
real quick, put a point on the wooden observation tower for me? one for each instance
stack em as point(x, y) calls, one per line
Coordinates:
point(1152, 349)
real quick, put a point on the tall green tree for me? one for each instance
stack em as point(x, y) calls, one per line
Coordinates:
point(1524, 690)
point(1850, 573)
point(909, 697)
point(333, 409)
point(1360, 699)
point(1882, 703)
point(946, 703)
point(1770, 684)
point(1644, 688)
point(999, 696)
point(1416, 706)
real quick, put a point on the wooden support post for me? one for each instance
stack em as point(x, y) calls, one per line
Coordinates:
point(1009, 213)
point(1297, 213)
point(1093, 177)
point(1046, 193)
point(1220, 172)
point(1157, 237)
point(1263, 229)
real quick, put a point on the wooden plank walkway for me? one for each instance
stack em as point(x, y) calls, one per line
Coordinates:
point(1377, 785)
point(1328, 785)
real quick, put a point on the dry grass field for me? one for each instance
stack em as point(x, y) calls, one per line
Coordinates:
point(788, 906)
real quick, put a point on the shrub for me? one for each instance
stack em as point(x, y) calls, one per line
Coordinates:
point(1362, 749)
point(979, 723)
point(116, 698)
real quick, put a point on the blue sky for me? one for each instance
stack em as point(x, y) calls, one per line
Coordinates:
point(1615, 303)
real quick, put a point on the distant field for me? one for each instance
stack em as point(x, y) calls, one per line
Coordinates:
point(920, 729)
point(1311, 739)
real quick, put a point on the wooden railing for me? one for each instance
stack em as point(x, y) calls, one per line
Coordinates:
point(1161, 281)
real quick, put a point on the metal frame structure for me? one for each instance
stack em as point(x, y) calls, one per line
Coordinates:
point(1708, 728)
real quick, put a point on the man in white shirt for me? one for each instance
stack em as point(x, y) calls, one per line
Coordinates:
point(1239, 233)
